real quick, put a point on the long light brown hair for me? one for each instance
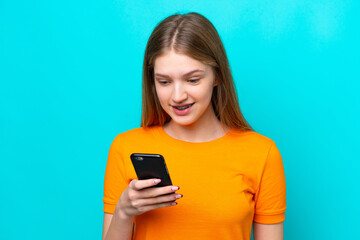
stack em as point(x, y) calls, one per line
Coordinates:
point(195, 36)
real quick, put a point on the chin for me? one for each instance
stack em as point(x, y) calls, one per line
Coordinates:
point(182, 122)
point(186, 124)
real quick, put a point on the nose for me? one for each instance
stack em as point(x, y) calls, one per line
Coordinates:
point(179, 93)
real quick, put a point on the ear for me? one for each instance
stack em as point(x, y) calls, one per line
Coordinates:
point(216, 82)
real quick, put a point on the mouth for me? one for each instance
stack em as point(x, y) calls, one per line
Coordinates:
point(183, 107)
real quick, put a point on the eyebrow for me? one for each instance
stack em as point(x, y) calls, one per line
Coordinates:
point(185, 75)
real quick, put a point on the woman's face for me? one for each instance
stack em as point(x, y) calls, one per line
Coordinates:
point(184, 87)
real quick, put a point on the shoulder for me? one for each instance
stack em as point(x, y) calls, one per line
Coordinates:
point(251, 138)
point(137, 140)
point(136, 134)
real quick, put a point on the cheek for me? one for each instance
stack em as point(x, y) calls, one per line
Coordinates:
point(206, 94)
point(162, 95)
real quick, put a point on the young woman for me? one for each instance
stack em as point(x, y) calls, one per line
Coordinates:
point(227, 177)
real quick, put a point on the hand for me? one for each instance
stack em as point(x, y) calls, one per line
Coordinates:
point(138, 198)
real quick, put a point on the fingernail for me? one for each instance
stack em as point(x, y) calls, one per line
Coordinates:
point(174, 203)
point(157, 180)
point(178, 196)
point(175, 188)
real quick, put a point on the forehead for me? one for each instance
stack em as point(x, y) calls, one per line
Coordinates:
point(172, 63)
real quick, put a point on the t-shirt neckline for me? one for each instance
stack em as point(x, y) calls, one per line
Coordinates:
point(178, 141)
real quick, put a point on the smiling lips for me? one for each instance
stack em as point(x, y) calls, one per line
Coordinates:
point(183, 109)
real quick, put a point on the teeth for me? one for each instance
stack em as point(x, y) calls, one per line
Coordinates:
point(183, 107)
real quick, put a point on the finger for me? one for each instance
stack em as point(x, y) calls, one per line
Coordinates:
point(158, 191)
point(155, 206)
point(141, 184)
point(157, 200)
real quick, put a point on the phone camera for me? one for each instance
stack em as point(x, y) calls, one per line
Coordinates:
point(139, 158)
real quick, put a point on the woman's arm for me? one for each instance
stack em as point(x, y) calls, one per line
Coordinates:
point(268, 231)
point(117, 226)
point(106, 224)
point(137, 198)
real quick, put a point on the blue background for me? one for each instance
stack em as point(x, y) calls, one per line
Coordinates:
point(70, 81)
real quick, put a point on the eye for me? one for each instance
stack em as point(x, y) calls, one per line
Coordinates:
point(194, 80)
point(163, 82)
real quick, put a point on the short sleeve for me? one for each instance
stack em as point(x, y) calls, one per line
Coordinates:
point(115, 180)
point(270, 198)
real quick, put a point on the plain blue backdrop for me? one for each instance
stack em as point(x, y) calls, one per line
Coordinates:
point(70, 81)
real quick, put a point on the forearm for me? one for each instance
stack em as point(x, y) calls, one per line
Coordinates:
point(121, 227)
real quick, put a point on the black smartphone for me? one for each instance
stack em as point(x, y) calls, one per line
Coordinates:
point(151, 166)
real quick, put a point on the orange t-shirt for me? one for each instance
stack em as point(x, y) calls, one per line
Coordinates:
point(226, 184)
